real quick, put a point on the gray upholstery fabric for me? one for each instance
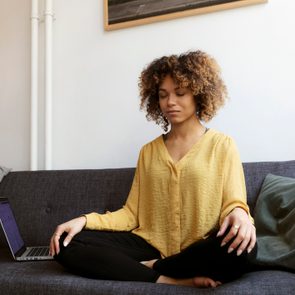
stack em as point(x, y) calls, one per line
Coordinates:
point(43, 199)
point(49, 278)
point(53, 197)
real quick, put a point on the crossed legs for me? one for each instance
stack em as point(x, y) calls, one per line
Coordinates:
point(108, 255)
point(117, 256)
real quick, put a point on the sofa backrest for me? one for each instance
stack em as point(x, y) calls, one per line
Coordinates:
point(43, 199)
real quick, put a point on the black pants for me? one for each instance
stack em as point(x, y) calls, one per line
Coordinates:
point(117, 256)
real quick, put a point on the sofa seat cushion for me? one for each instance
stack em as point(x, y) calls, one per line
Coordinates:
point(49, 278)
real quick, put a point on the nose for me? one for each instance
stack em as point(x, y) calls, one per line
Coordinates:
point(171, 100)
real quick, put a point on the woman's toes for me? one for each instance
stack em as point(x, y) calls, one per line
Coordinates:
point(204, 282)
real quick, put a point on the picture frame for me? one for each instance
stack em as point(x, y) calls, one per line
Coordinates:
point(120, 14)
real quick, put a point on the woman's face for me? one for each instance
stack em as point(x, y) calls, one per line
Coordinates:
point(177, 104)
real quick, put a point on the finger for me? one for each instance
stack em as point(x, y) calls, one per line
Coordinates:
point(253, 239)
point(231, 234)
point(51, 248)
point(223, 227)
point(68, 239)
point(240, 236)
point(245, 242)
point(56, 238)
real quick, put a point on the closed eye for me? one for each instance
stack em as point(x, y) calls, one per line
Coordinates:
point(162, 94)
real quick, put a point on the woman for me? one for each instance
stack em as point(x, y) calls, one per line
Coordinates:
point(186, 221)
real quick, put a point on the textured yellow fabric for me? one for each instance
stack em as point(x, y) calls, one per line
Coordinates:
point(171, 205)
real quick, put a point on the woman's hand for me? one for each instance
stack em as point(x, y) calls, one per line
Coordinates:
point(71, 227)
point(241, 228)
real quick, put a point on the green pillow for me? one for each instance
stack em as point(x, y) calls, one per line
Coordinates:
point(275, 222)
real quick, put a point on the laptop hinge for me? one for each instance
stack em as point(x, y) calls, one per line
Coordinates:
point(21, 251)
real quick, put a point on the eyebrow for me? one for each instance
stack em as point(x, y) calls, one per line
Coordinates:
point(177, 88)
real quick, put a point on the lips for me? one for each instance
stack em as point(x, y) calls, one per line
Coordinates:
point(172, 112)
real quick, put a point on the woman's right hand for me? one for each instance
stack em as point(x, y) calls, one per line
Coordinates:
point(71, 227)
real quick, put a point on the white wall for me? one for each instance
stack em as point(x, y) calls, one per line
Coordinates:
point(97, 122)
point(14, 83)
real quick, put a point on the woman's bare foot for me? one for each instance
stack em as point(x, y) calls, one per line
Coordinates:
point(199, 282)
point(149, 263)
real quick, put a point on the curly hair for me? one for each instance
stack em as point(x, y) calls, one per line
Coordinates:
point(194, 70)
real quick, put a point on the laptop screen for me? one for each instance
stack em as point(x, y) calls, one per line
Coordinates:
point(10, 227)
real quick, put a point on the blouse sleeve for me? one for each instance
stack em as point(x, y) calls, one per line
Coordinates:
point(234, 187)
point(124, 219)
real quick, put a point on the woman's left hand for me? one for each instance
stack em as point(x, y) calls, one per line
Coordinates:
point(241, 228)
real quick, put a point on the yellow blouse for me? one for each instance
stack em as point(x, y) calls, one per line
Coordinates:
point(171, 205)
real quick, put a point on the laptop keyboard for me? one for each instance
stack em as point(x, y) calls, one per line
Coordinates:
point(38, 252)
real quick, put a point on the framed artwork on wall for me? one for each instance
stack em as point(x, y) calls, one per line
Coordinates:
point(120, 14)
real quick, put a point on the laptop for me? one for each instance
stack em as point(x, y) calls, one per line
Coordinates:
point(15, 242)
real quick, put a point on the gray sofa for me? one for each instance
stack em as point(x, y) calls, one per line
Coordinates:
point(43, 199)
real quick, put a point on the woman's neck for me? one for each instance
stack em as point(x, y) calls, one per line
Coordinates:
point(186, 130)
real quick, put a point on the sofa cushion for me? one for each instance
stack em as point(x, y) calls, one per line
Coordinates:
point(274, 219)
point(49, 278)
